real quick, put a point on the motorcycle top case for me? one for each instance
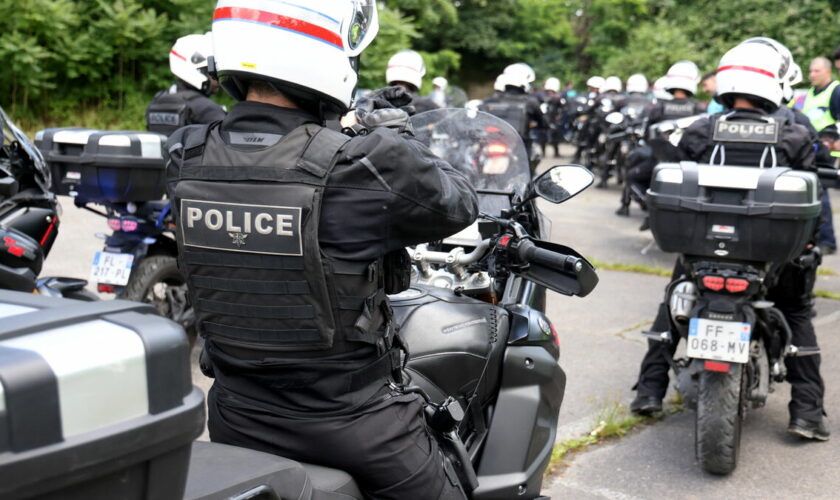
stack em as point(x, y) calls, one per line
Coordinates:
point(740, 213)
point(101, 166)
point(95, 400)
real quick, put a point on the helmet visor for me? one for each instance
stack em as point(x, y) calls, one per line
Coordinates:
point(360, 27)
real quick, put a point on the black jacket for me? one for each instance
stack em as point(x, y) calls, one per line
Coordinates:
point(201, 109)
point(387, 191)
point(673, 109)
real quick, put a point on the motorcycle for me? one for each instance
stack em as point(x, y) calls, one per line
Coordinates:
point(624, 132)
point(118, 175)
point(29, 219)
point(736, 339)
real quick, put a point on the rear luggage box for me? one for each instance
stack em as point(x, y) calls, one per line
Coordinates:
point(100, 166)
point(96, 400)
point(739, 213)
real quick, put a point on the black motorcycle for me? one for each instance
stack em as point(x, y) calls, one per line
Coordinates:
point(734, 228)
point(119, 176)
point(29, 218)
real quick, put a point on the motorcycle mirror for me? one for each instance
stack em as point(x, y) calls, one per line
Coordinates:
point(8, 187)
point(614, 118)
point(562, 182)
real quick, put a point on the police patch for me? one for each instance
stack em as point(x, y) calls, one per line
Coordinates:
point(237, 227)
point(164, 119)
point(746, 131)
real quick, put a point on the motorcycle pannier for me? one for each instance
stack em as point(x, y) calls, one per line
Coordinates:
point(95, 400)
point(104, 166)
point(742, 213)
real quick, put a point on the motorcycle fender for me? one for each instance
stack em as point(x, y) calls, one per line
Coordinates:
point(524, 425)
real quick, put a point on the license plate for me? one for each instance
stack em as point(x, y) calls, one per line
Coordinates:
point(718, 340)
point(111, 268)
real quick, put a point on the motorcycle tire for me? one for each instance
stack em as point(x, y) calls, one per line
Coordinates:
point(143, 286)
point(720, 412)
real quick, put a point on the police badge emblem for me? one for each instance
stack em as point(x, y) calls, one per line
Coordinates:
point(238, 239)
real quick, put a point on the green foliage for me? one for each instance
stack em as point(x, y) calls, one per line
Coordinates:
point(107, 56)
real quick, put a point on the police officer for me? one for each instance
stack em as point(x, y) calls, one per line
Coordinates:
point(515, 105)
point(555, 104)
point(187, 101)
point(822, 103)
point(290, 236)
point(748, 85)
point(407, 69)
point(587, 134)
point(640, 161)
point(681, 83)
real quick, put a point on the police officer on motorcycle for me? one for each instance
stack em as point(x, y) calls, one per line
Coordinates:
point(750, 89)
point(406, 69)
point(291, 234)
point(640, 160)
point(515, 105)
point(681, 82)
point(187, 101)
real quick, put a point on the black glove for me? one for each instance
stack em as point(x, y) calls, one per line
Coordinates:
point(388, 107)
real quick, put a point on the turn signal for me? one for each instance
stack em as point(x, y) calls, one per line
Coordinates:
point(714, 283)
point(736, 285)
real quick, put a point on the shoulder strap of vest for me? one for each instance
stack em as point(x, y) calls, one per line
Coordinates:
point(195, 141)
point(322, 149)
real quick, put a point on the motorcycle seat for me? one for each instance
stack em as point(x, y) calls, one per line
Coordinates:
point(219, 471)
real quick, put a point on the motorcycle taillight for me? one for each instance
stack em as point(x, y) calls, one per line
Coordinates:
point(713, 283)
point(129, 225)
point(736, 285)
point(114, 224)
point(497, 149)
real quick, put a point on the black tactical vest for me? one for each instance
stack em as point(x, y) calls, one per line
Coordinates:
point(512, 109)
point(169, 112)
point(746, 140)
point(679, 108)
point(248, 245)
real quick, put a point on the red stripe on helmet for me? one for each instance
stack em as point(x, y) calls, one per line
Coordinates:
point(748, 68)
point(278, 21)
point(179, 56)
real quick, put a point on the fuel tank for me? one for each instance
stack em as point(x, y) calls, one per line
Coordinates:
point(455, 342)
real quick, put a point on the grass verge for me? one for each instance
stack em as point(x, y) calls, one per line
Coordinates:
point(632, 268)
point(824, 271)
point(613, 421)
point(823, 294)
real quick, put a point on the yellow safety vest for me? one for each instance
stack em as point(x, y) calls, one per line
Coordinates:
point(816, 107)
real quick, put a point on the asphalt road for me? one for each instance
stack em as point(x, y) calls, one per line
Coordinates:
point(601, 350)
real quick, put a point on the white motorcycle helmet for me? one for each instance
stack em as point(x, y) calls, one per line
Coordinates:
point(596, 82)
point(440, 82)
point(309, 53)
point(500, 83)
point(552, 84)
point(683, 75)
point(188, 60)
point(750, 69)
point(790, 74)
point(612, 84)
point(406, 66)
point(659, 89)
point(520, 75)
point(637, 84)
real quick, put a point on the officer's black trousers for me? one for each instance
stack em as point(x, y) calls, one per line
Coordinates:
point(640, 165)
point(386, 448)
point(792, 297)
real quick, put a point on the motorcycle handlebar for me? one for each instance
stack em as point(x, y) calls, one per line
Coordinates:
point(529, 252)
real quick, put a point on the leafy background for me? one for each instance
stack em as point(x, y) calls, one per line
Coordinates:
point(97, 63)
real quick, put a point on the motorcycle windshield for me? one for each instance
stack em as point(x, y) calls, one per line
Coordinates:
point(481, 146)
point(12, 134)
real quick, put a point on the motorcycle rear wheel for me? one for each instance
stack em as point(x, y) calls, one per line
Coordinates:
point(156, 280)
point(720, 413)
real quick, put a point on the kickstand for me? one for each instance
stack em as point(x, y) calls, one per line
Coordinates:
point(647, 247)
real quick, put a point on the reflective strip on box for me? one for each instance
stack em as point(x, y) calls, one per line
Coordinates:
point(101, 373)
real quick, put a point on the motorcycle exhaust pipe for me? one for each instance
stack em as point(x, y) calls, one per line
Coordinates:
point(683, 298)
